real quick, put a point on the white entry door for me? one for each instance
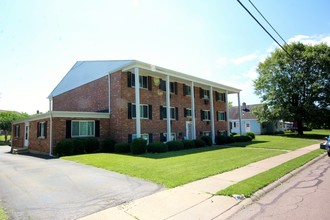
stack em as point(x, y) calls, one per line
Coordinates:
point(26, 134)
point(247, 127)
point(189, 130)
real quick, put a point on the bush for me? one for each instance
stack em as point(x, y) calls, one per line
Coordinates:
point(93, 145)
point(64, 148)
point(207, 140)
point(138, 146)
point(108, 145)
point(251, 134)
point(188, 144)
point(279, 132)
point(199, 143)
point(122, 148)
point(242, 138)
point(175, 145)
point(222, 139)
point(79, 146)
point(157, 147)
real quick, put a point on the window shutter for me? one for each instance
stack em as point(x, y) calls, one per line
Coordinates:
point(184, 90)
point(176, 113)
point(202, 115)
point(68, 129)
point(175, 88)
point(201, 94)
point(162, 137)
point(218, 115)
point(149, 83)
point(161, 112)
point(129, 79)
point(97, 128)
point(209, 114)
point(38, 129)
point(45, 129)
point(150, 138)
point(216, 96)
point(129, 138)
point(225, 116)
point(185, 112)
point(19, 130)
point(224, 97)
point(161, 84)
point(150, 112)
point(129, 110)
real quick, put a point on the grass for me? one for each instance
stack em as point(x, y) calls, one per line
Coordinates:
point(251, 185)
point(3, 215)
point(172, 169)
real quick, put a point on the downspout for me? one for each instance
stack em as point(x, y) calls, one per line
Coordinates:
point(227, 115)
point(109, 93)
point(212, 115)
point(239, 113)
point(51, 134)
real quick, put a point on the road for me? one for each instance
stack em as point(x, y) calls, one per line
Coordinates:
point(304, 196)
point(43, 188)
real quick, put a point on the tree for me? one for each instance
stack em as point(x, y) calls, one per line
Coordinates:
point(6, 119)
point(294, 86)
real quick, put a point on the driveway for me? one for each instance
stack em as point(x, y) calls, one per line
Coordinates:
point(44, 188)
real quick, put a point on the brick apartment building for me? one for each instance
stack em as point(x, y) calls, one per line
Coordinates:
point(99, 99)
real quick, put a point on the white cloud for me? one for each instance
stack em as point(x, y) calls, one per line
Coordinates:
point(311, 40)
point(251, 74)
point(243, 59)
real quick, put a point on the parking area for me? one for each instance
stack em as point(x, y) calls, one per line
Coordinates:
point(44, 188)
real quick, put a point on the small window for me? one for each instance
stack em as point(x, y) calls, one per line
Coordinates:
point(220, 96)
point(205, 115)
point(173, 86)
point(42, 130)
point(206, 133)
point(144, 136)
point(173, 110)
point(235, 125)
point(186, 90)
point(144, 111)
point(16, 131)
point(163, 137)
point(187, 112)
point(83, 129)
point(221, 116)
point(204, 94)
point(145, 81)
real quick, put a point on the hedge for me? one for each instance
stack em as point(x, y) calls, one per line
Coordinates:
point(175, 145)
point(122, 148)
point(138, 146)
point(207, 140)
point(108, 145)
point(157, 147)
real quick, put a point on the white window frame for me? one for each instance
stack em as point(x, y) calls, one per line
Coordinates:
point(173, 136)
point(206, 115)
point(92, 134)
point(41, 129)
point(144, 136)
point(141, 111)
point(222, 114)
point(206, 94)
point(188, 113)
point(206, 133)
point(172, 110)
point(17, 127)
point(142, 85)
point(221, 97)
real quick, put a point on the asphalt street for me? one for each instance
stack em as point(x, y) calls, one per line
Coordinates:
point(44, 188)
point(304, 196)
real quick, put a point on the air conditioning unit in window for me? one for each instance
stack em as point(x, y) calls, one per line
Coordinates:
point(206, 97)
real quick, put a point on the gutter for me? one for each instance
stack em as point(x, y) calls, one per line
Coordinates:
point(50, 134)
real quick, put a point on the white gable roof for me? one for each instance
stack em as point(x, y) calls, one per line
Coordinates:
point(84, 72)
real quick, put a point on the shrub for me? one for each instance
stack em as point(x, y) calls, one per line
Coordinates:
point(79, 146)
point(93, 145)
point(157, 147)
point(138, 146)
point(242, 138)
point(207, 140)
point(108, 145)
point(64, 148)
point(175, 145)
point(222, 139)
point(122, 148)
point(188, 144)
point(199, 143)
point(278, 132)
point(251, 134)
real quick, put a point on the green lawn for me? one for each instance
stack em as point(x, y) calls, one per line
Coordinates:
point(3, 215)
point(251, 185)
point(177, 168)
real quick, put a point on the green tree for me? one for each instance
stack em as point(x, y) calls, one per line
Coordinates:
point(294, 86)
point(6, 119)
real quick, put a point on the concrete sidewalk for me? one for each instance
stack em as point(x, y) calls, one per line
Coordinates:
point(195, 200)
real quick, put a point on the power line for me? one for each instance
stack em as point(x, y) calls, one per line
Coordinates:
point(267, 22)
point(264, 28)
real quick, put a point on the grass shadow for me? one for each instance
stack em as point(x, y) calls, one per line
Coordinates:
point(306, 136)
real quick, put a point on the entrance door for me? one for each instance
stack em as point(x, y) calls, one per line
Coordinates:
point(189, 130)
point(27, 134)
point(247, 127)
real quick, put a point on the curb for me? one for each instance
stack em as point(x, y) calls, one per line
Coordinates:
point(256, 196)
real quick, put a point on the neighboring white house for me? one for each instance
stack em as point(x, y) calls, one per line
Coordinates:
point(250, 122)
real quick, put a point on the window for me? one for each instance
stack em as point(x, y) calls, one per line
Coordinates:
point(163, 137)
point(144, 136)
point(42, 130)
point(173, 86)
point(204, 94)
point(187, 112)
point(145, 81)
point(221, 116)
point(235, 124)
point(145, 111)
point(16, 131)
point(83, 129)
point(205, 115)
point(174, 113)
point(220, 96)
point(206, 133)
point(186, 90)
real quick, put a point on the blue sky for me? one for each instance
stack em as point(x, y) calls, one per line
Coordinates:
point(40, 40)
